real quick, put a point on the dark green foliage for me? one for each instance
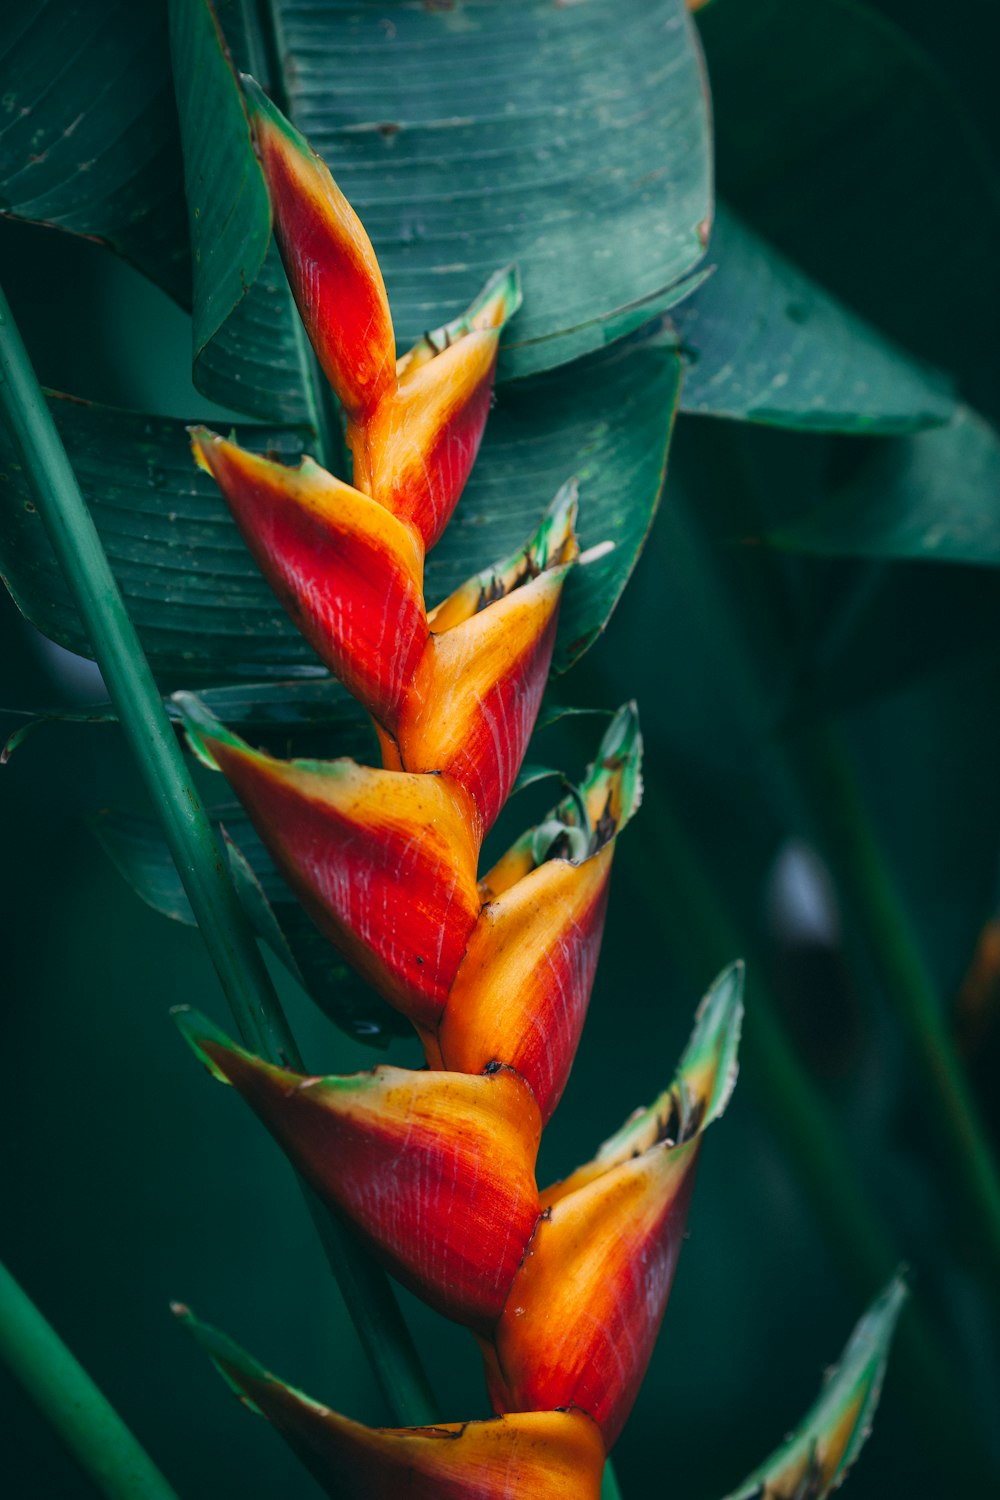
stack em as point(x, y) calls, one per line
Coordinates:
point(807, 595)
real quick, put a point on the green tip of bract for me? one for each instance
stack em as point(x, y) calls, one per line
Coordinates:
point(262, 109)
point(498, 301)
point(817, 1455)
point(236, 1367)
point(492, 307)
point(704, 1080)
point(557, 526)
point(713, 1048)
point(552, 543)
point(201, 725)
point(196, 1030)
point(597, 810)
point(619, 757)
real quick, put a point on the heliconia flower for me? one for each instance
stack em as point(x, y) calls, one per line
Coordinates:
point(331, 266)
point(532, 1456)
point(348, 573)
point(416, 448)
point(585, 1307)
point(477, 690)
point(413, 426)
point(814, 1459)
point(522, 991)
point(435, 1170)
point(383, 862)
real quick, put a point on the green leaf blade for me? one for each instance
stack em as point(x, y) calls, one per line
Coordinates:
point(928, 497)
point(768, 345)
point(89, 143)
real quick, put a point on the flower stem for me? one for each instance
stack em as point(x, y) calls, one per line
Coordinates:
point(62, 1390)
point(200, 863)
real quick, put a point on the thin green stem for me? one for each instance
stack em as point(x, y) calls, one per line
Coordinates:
point(200, 863)
point(609, 1484)
point(851, 844)
point(677, 887)
point(69, 1400)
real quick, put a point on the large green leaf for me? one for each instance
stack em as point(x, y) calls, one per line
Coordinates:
point(766, 344)
point(842, 143)
point(88, 129)
point(571, 139)
point(932, 496)
point(201, 607)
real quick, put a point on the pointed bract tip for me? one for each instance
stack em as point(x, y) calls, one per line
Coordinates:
point(825, 1444)
point(597, 810)
point(701, 1088)
point(201, 725)
point(233, 1363)
point(202, 438)
point(196, 1030)
point(498, 301)
point(872, 1334)
point(715, 1041)
point(259, 105)
point(491, 308)
point(619, 761)
point(559, 523)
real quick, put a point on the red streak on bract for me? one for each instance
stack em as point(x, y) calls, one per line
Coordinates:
point(426, 494)
point(389, 893)
point(435, 1169)
point(474, 707)
point(585, 1309)
point(335, 569)
point(332, 272)
point(498, 735)
point(522, 992)
point(414, 452)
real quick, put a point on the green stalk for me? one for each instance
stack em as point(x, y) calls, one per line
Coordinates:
point(609, 1484)
point(850, 842)
point(200, 863)
point(64, 1393)
point(674, 882)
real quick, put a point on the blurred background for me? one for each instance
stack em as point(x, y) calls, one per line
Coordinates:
point(763, 680)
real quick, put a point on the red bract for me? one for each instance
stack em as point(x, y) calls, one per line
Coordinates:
point(435, 1169)
point(384, 862)
point(347, 572)
point(331, 265)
